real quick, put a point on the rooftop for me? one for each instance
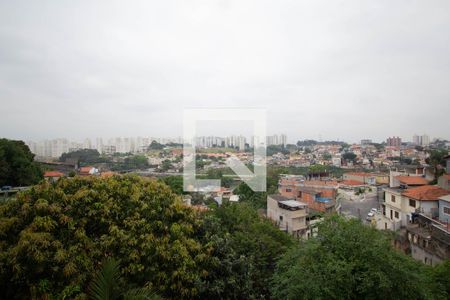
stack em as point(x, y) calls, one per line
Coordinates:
point(362, 174)
point(53, 174)
point(445, 198)
point(412, 180)
point(85, 169)
point(351, 182)
point(287, 203)
point(293, 203)
point(279, 198)
point(425, 193)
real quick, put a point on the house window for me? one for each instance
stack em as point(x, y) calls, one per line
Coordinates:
point(446, 210)
point(392, 198)
point(412, 203)
point(288, 190)
point(396, 214)
point(281, 218)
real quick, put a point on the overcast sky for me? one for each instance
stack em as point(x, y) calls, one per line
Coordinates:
point(332, 69)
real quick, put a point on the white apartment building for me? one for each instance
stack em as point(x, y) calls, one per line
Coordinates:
point(400, 203)
point(277, 140)
point(421, 140)
point(289, 214)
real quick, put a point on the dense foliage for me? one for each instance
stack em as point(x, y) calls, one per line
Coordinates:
point(83, 156)
point(154, 145)
point(247, 195)
point(437, 161)
point(175, 183)
point(349, 260)
point(131, 162)
point(245, 251)
point(54, 237)
point(17, 166)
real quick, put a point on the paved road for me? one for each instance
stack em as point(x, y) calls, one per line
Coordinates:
point(359, 208)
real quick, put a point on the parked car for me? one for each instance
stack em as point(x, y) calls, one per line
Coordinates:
point(6, 188)
point(370, 216)
point(374, 210)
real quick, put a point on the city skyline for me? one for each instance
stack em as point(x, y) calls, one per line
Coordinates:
point(372, 70)
point(414, 138)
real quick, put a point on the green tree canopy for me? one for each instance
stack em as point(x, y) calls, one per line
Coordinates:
point(175, 183)
point(349, 156)
point(274, 149)
point(83, 156)
point(54, 237)
point(247, 195)
point(245, 249)
point(154, 145)
point(348, 260)
point(17, 166)
point(436, 159)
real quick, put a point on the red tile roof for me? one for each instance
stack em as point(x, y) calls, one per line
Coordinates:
point(351, 182)
point(412, 180)
point(320, 183)
point(426, 192)
point(85, 169)
point(362, 174)
point(108, 174)
point(53, 174)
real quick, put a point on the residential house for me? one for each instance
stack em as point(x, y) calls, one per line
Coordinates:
point(428, 240)
point(363, 177)
point(87, 171)
point(424, 199)
point(400, 204)
point(52, 176)
point(108, 174)
point(351, 184)
point(444, 210)
point(410, 170)
point(447, 159)
point(289, 214)
point(406, 181)
point(391, 210)
point(444, 182)
point(319, 195)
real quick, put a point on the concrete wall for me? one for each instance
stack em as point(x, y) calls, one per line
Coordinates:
point(292, 221)
point(422, 255)
point(288, 191)
point(448, 165)
point(443, 183)
point(429, 208)
point(443, 217)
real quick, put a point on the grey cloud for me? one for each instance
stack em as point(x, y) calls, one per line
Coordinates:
point(339, 69)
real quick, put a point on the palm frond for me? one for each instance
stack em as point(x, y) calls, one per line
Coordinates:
point(104, 285)
point(141, 294)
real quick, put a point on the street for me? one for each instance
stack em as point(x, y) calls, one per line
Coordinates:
point(351, 206)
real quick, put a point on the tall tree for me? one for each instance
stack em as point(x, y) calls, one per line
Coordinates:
point(437, 161)
point(83, 156)
point(348, 260)
point(55, 235)
point(17, 166)
point(244, 252)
